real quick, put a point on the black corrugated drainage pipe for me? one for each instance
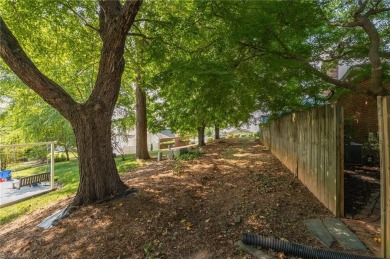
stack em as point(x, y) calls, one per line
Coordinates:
point(298, 250)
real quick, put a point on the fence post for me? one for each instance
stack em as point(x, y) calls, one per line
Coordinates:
point(340, 160)
point(384, 144)
point(52, 165)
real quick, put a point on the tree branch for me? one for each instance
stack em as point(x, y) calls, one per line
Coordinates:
point(137, 28)
point(385, 54)
point(16, 58)
point(374, 56)
point(329, 79)
point(376, 11)
point(150, 20)
point(86, 23)
point(346, 25)
point(238, 62)
point(308, 66)
point(115, 21)
point(335, 57)
point(140, 35)
point(129, 12)
point(362, 6)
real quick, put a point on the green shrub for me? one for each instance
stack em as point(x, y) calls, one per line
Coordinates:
point(236, 135)
point(257, 134)
point(36, 153)
point(190, 156)
point(171, 142)
point(58, 157)
point(230, 136)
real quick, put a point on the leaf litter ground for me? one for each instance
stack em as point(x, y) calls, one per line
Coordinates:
point(181, 209)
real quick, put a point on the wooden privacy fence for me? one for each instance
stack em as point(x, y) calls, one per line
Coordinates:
point(310, 144)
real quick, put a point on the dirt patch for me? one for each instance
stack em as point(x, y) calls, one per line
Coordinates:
point(186, 209)
point(362, 204)
point(359, 186)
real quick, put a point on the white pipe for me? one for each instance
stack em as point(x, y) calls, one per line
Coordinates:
point(28, 144)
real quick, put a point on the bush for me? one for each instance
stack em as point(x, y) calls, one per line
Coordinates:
point(167, 142)
point(236, 135)
point(58, 157)
point(230, 136)
point(190, 156)
point(371, 152)
point(36, 153)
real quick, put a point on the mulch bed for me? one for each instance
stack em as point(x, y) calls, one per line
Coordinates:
point(183, 209)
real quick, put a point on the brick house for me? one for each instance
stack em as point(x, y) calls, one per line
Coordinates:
point(360, 111)
point(360, 115)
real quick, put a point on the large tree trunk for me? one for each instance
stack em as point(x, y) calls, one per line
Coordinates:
point(99, 177)
point(201, 141)
point(216, 131)
point(141, 125)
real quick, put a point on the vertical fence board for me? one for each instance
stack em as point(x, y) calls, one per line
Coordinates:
point(302, 150)
point(326, 155)
point(308, 145)
point(384, 141)
point(331, 175)
point(314, 145)
point(321, 160)
point(332, 164)
point(339, 172)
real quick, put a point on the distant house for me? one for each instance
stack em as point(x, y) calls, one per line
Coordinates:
point(126, 143)
point(239, 131)
point(167, 133)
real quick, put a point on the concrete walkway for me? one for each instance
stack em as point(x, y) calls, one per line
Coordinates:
point(9, 196)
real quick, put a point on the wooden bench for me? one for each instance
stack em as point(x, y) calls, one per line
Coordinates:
point(29, 180)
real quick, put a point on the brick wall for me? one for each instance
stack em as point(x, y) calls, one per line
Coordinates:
point(361, 112)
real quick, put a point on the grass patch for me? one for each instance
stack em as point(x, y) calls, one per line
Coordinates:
point(67, 176)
